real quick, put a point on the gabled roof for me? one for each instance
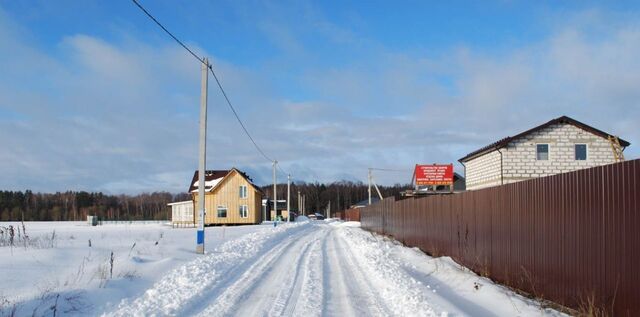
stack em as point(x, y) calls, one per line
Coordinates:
point(214, 177)
point(209, 176)
point(564, 119)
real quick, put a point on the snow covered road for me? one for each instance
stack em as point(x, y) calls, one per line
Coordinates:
point(323, 269)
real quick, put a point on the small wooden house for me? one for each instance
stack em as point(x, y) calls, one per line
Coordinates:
point(230, 198)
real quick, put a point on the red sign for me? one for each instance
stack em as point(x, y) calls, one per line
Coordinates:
point(433, 174)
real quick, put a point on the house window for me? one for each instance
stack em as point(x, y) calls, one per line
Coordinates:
point(581, 152)
point(222, 212)
point(244, 211)
point(243, 191)
point(542, 152)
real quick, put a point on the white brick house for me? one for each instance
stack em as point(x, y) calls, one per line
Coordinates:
point(560, 145)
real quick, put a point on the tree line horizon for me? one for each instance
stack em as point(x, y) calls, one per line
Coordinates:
point(76, 205)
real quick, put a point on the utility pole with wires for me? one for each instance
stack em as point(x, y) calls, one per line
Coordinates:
point(275, 195)
point(288, 197)
point(203, 158)
point(201, 168)
point(371, 181)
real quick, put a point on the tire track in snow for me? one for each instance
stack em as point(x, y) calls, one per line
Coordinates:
point(345, 296)
point(187, 286)
point(375, 302)
point(301, 278)
point(397, 289)
point(265, 288)
point(311, 286)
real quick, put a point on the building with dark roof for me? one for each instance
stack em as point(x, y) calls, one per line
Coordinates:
point(230, 197)
point(558, 146)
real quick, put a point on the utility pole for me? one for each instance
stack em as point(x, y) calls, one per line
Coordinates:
point(369, 186)
point(275, 195)
point(299, 208)
point(203, 153)
point(289, 198)
point(329, 210)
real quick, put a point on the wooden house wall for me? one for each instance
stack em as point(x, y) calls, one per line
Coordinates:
point(228, 194)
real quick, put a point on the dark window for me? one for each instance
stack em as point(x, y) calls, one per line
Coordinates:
point(581, 152)
point(542, 152)
point(222, 212)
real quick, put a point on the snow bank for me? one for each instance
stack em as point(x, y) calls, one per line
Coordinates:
point(62, 263)
point(184, 287)
point(408, 277)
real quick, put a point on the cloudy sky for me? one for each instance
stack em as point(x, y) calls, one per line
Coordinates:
point(93, 96)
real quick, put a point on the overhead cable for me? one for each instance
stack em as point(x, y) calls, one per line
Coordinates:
point(201, 60)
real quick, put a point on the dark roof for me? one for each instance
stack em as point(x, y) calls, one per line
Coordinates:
point(564, 119)
point(210, 175)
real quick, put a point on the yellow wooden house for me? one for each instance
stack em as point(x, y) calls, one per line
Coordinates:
point(231, 198)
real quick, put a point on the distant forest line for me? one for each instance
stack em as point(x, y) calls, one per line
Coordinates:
point(76, 205)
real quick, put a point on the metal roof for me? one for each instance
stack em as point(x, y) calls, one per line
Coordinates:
point(210, 175)
point(564, 119)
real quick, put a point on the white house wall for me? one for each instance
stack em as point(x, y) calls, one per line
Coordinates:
point(182, 212)
point(519, 156)
point(483, 171)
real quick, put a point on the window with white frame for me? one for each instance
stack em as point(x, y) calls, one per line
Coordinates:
point(244, 211)
point(243, 191)
point(580, 152)
point(222, 211)
point(542, 152)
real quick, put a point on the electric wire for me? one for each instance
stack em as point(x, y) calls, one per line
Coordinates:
point(210, 67)
point(388, 170)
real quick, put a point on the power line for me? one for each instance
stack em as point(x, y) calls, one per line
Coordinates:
point(236, 115)
point(388, 170)
point(167, 31)
point(282, 171)
point(224, 93)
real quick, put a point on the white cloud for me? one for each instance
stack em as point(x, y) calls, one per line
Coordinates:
point(122, 116)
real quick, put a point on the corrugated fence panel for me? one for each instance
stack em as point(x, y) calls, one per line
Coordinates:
point(569, 238)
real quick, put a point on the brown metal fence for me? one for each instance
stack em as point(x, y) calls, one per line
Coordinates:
point(569, 238)
point(352, 214)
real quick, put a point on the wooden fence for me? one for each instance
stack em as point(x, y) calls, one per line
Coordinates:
point(569, 238)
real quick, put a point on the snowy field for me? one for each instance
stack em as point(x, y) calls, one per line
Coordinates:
point(317, 268)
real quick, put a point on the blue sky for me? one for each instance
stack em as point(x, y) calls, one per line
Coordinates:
point(93, 96)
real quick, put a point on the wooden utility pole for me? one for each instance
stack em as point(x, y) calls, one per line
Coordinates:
point(275, 195)
point(369, 177)
point(203, 154)
point(289, 198)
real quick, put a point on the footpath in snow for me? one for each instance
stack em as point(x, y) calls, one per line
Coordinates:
point(323, 268)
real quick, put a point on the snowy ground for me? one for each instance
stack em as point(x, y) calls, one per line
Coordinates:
point(317, 268)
